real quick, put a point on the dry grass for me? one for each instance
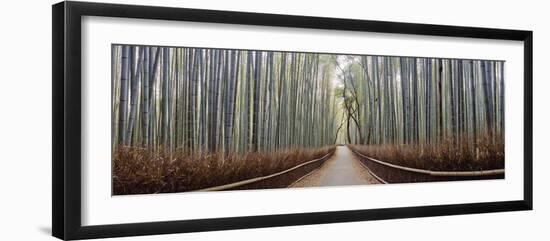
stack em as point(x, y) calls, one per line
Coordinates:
point(138, 171)
point(445, 156)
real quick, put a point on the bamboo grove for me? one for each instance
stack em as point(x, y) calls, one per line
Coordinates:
point(192, 118)
point(421, 101)
point(198, 100)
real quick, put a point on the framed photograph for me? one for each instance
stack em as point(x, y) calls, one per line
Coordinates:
point(170, 120)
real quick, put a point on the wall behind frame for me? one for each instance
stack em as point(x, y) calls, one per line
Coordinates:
point(25, 125)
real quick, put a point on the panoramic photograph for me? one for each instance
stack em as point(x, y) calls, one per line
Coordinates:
point(187, 119)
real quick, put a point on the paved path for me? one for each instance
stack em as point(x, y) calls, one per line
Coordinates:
point(341, 169)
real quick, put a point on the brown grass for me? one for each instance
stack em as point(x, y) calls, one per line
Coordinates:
point(138, 171)
point(445, 156)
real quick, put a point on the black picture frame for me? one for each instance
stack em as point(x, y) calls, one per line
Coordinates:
point(67, 135)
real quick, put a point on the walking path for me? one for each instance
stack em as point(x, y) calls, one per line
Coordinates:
point(343, 168)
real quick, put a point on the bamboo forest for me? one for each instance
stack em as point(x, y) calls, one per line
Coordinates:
point(204, 119)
